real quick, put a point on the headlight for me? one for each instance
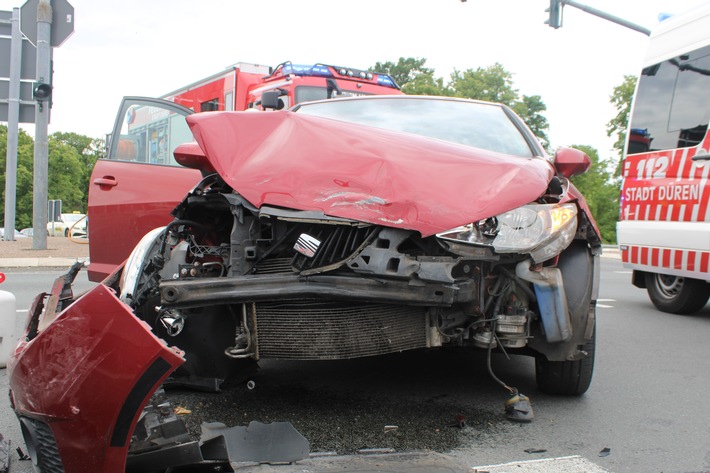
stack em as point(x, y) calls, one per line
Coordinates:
point(543, 230)
point(136, 261)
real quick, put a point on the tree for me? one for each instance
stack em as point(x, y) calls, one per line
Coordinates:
point(621, 100)
point(66, 176)
point(426, 84)
point(88, 150)
point(492, 84)
point(23, 193)
point(405, 70)
point(71, 158)
point(530, 109)
point(601, 192)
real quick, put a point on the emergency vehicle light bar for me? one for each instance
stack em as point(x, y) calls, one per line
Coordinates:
point(323, 70)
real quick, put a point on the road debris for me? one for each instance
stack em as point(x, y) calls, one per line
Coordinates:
point(518, 408)
point(535, 450)
point(605, 452)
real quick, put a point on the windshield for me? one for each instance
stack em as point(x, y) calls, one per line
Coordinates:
point(476, 124)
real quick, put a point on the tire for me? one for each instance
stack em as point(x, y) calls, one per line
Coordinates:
point(66, 233)
point(676, 294)
point(567, 378)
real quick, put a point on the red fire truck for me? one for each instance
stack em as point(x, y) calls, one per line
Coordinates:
point(241, 86)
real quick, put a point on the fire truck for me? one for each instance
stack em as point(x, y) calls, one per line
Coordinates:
point(242, 86)
point(664, 227)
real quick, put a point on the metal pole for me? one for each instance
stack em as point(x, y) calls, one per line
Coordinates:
point(13, 119)
point(607, 16)
point(40, 182)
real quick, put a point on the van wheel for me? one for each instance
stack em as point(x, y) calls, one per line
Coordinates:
point(66, 233)
point(567, 378)
point(676, 294)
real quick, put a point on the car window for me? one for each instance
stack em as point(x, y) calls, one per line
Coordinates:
point(476, 124)
point(150, 134)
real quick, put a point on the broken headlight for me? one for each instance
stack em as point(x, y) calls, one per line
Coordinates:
point(543, 230)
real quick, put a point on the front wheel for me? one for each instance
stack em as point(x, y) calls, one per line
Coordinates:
point(676, 294)
point(567, 378)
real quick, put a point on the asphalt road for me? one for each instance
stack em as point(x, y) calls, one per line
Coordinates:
point(646, 403)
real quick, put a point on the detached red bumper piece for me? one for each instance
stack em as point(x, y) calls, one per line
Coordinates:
point(80, 382)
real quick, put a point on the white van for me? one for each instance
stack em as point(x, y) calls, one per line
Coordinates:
point(664, 227)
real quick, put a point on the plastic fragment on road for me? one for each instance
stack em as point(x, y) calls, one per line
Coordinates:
point(535, 450)
point(278, 442)
point(605, 452)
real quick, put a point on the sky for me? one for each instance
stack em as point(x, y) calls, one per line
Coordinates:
point(152, 47)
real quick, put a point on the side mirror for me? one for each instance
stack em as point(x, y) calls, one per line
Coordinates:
point(191, 156)
point(571, 162)
point(270, 99)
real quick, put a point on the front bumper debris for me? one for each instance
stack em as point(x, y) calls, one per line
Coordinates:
point(80, 379)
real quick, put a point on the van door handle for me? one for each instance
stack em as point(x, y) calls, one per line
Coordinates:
point(701, 157)
point(106, 181)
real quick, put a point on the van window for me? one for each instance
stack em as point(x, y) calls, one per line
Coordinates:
point(671, 108)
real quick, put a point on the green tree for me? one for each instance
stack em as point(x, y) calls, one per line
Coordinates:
point(426, 84)
point(621, 100)
point(601, 192)
point(66, 176)
point(23, 194)
point(89, 150)
point(492, 84)
point(71, 158)
point(405, 70)
point(530, 109)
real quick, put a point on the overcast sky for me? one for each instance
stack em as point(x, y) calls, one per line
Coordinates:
point(151, 47)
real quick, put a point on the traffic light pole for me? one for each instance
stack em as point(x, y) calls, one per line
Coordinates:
point(41, 155)
point(556, 6)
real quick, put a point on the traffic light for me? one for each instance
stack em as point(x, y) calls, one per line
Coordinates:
point(41, 91)
point(555, 11)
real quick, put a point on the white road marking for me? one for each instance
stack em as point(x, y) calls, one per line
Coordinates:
point(571, 464)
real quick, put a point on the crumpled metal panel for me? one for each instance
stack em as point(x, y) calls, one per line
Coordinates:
point(363, 173)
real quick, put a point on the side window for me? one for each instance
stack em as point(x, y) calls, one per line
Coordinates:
point(671, 109)
point(149, 133)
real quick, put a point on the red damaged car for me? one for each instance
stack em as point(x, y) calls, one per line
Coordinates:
point(338, 229)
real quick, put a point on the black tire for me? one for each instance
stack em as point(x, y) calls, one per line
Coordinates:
point(567, 378)
point(676, 294)
point(66, 233)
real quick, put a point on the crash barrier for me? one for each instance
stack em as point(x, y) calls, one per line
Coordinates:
point(8, 323)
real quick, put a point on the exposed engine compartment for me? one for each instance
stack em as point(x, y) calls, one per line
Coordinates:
point(226, 281)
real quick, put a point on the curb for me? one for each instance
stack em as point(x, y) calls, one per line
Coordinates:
point(47, 262)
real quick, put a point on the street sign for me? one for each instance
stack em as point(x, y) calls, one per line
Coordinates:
point(28, 72)
point(62, 21)
point(28, 69)
point(27, 103)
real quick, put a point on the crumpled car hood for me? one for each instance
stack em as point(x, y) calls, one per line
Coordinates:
point(362, 173)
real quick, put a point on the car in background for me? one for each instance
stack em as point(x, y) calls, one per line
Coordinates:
point(74, 223)
point(17, 234)
point(28, 232)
